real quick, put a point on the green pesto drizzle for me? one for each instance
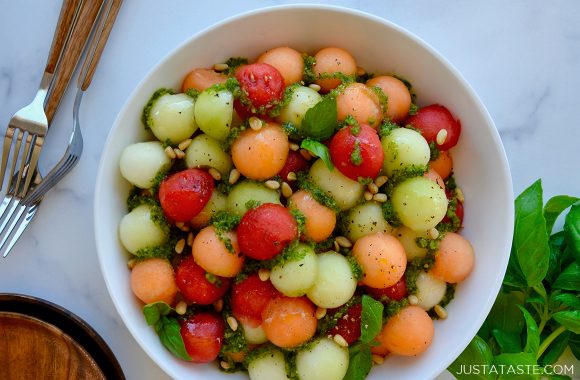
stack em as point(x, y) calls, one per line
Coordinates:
point(318, 194)
point(146, 114)
point(233, 64)
point(223, 222)
point(309, 62)
point(356, 154)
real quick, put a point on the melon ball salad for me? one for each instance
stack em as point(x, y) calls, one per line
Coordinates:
point(294, 217)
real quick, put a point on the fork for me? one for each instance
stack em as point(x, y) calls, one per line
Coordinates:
point(74, 150)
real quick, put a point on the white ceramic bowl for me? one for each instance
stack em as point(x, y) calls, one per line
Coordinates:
point(379, 46)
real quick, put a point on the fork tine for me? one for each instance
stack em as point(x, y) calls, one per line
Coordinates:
point(23, 161)
point(19, 137)
point(15, 220)
point(8, 215)
point(23, 222)
point(37, 141)
point(6, 153)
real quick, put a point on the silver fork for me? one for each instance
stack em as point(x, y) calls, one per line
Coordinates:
point(29, 206)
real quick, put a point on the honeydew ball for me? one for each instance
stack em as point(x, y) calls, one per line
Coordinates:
point(172, 119)
point(137, 230)
point(269, 365)
point(346, 192)
point(141, 162)
point(404, 148)
point(217, 202)
point(206, 152)
point(324, 359)
point(214, 112)
point(408, 238)
point(363, 220)
point(254, 335)
point(419, 203)
point(301, 100)
point(335, 283)
point(430, 290)
point(246, 191)
point(295, 276)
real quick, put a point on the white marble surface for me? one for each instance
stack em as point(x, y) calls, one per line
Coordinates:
point(521, 57)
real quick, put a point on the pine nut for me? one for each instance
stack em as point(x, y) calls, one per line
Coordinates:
point(413, 300)
point(360, 71)
point(291, 176)
point(368, 196)
point(381, 180)
point(180, 246)
point(295, 147)
point(220, 66)
point(338, 339)
point(306, 154)
point(131, 263)
point(314, 86)
point(264, 274)
point(378, 359)
point(190, 239)
point(182, 226)
point(170, 152)
point(434, 233)
point(373, 188)
point(440, 311)
point(234, 176)
point(271, 184)
point(184, 144)
point(232, 323)
point(179, 153)
point(459, 195)
point(336, 246)
point(181, 308)
point(215, 174)
point(224, 364)
point(255, 123)
point(343, 242)
point(286, 190)
point(320, 312)
point(441, 137)
point(380, 197)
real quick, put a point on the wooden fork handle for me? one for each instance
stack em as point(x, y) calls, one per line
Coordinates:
point(98, 42)
point(63, 28)
point(71, 54)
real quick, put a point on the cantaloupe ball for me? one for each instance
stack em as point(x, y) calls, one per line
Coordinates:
point(454, 259)
point(289, 321)
point(261, 154)
point(435, 177)
point(320, 220)
point(200, 79)
point(153, 280)
point(382, 259)
point(408, 333)
point(399, 97)
point(443, 164)
point(287, 61)
point(210, 253)
point(324, 359)
point(360, 102)
point(332, 60)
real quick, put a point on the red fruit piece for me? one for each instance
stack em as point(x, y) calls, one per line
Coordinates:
point(249, 298)
point(395, 292)
point(357, 152)
point(203, 335)
point(266, 230)
point(262, 87)
point(432, 119)
point(295, 162)
point(348, 326)
point(184, 194)
point(197, 285)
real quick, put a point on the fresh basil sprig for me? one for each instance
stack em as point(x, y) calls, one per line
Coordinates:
point(319, 122)
point(158, 315)
point(318, 149)
point(536, 316)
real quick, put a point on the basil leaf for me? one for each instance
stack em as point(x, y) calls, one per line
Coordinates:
point(508, 342)
point(556, 349)
point(318, 149)
point(360, 362)
point(514, 275)
point(557, 243)
point(169, 333)
point(516, 366)
point(319, 122)
point(567, 299)
point(532, 333)
point(570, 319)
point(505, 315)
point(572, 229)
point(554, 208)
point(371, 321)
point(154, 311)
point(569, 279)
point(477, 353)
point(530, 244)
point(574, 344)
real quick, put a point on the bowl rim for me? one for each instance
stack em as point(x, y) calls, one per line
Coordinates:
point(507, 189)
